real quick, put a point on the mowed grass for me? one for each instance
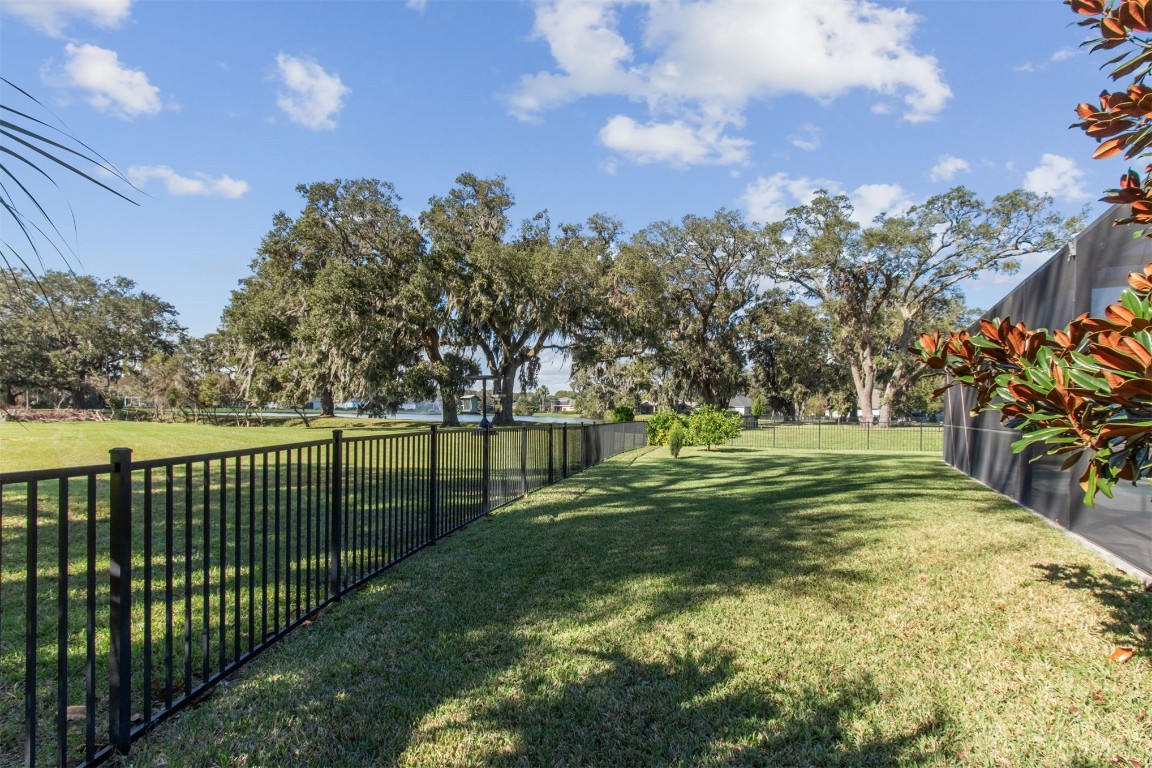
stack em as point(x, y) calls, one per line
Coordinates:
point(34, 445)
point(735, 607)
point(904, 438)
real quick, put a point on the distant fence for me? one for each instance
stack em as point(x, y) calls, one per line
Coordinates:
point(129, 589)
point(821, 434)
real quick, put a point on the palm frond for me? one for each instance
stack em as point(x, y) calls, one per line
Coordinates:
point(32, 148)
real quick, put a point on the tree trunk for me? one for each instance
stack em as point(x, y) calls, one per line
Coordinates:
point(504, 416)
point(897, 380)
point(864, 377)
point(449, 405)
point(885, 414)
point(449, 408)
point(327, 403)
point(886, 398)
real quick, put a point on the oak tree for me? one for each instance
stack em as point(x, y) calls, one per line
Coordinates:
point(879, 284)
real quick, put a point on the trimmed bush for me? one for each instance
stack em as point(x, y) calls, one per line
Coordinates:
point(676, 437)
point(621, 413)
point(708, 426)
point(659, 425)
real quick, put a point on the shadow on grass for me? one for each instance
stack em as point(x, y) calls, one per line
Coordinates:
point(464, 632)
point(678, 712)
point(1130, 608)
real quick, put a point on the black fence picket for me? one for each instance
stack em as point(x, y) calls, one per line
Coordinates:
point(183, 569)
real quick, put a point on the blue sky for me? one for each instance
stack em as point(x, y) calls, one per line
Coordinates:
point(645, 110)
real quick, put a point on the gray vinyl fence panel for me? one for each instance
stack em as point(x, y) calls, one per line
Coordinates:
point(1085, 278)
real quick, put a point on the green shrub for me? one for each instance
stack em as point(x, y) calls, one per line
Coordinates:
point(757, 407)
point(676, 437)
point(621, 413)
point(660, 424)
point(708, 426)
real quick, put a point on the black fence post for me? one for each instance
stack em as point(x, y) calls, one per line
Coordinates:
point(921, 436)
point(551, 454)
point(433, 482)
point(31, 623)
point(485, 467)
point(523, 461)
point(335, 512)
point(564, 451)
point(120, 600)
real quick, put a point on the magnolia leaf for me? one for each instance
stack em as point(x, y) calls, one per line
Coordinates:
point(1131, 301)
point(1133, 388)
point(1040, 435)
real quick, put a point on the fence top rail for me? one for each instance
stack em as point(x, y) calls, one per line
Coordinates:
point(57, 473)
point(236, 453)
point(23, 476)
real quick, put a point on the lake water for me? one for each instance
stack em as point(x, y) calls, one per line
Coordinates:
point(473, 418)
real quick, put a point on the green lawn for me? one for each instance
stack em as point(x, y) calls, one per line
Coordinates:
point(262, 565)
point(790, 436)
point(739, 607)
point(32, 445)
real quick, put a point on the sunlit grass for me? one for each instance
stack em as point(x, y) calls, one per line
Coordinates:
point(33, 445)
point(790, 436)
point(267, 516)
point(738, 607)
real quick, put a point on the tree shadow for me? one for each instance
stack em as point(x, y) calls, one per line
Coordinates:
point(1129, 607)
point(682, 712)
point(403, 660)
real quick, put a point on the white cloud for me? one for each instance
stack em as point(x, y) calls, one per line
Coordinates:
point(417, 5)
point(313, 97)
point(806, 138)
point(675, 143)
point(1061, 55)
point(946, 168)
point(700, 64)
point(200, 184)
point(111, 86)
point(590, 53)
point(1059, 177)
point(52, 16)
point(768, 199)
point(871, 200)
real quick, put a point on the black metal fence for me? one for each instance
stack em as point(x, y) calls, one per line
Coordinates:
point(822, 434)
point(129, 589)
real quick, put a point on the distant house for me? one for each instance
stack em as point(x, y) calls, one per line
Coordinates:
point(470, 404)
point(561, 405)
point(741, 404)
point(646, 408)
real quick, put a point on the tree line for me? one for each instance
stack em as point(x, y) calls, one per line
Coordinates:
point(352, 298)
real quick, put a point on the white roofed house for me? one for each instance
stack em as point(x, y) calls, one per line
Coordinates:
point(741, 404)
point(561, 405)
